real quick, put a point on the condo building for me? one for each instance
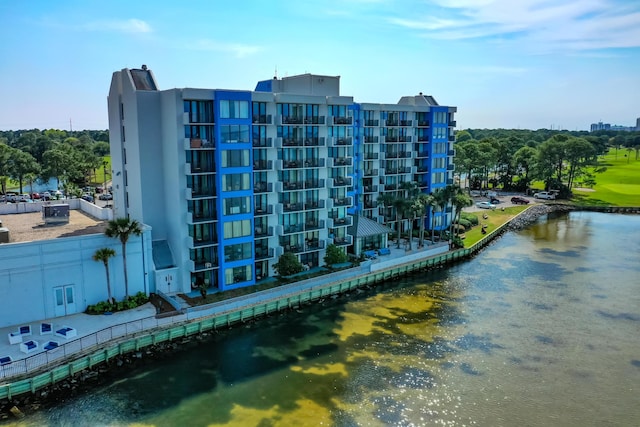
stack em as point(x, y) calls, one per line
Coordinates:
point(229, 180)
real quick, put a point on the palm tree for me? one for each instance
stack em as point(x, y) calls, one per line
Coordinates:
point(122, 229)
point(424, 203)
point(460, 201)
point(386, 201)
point(103, 255)
point(440, 199)
point(399, 206)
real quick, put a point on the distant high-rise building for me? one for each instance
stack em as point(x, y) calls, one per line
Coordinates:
point(229, 180)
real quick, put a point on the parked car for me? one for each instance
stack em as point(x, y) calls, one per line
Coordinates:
point(105, 196)
point(492, 194)
point(517, 200)
point(87, 197)
point(494, 200)
point(485, 205)
point(547, 195)
point(475, 193)
point(35, 196)
point(45, 195)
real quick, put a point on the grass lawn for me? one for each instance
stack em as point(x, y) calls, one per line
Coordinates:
point(495, 218)
point(619, 185)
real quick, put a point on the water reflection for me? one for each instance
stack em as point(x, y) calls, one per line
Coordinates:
point(533, 331)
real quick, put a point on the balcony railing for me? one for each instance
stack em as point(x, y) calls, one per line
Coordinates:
point(199, 193)
point(451, 152)
point(452, 137)
point(406, 122)
point(313, 245)
point(404, 138)
point(422, 154)
point(340, 161)
point(422, 184)
point(390, 187)
point(197, 169)
point(314, 142)
point(201, 241)
point(292, 207)
point(314, 163)
point(341, 201)
point(452, 123)
point(262, 165)
point(423, 138)
point(391, 138)
point(423, 123)
point(340, 181)
point(315, 204)
point(314, 120)
point(291, 120)
point(204, 264)
point(340, 141)
point(371, 122)
point(342, 241)
point(390, 122)
point(311, 225)
point(290, 186)
point(289, 142)
point(370, 205)
point(262, 187)
point(370, 139)
point(197, 144)
point(292, 164)
point(314, 183)
point(451, 167)
point(342, 120)
point(263, 210)
point(263, 119)
point(198, 217)
point(370, 188)
point(264, 253)
point(371, 172)
point(371, 156)
point(260, 231)
point(262, 142)
point(291, 229)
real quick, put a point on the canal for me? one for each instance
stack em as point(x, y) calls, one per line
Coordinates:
point(541, 328)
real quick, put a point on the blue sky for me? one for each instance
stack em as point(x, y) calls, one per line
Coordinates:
point(504, 63)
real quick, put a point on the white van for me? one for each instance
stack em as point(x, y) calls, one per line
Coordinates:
point(547, 195)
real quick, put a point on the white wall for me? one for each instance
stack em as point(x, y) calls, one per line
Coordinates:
point(30, 271)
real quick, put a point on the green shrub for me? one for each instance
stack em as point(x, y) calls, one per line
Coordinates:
point(473, 219)
point(127, 304)
point(465, 223)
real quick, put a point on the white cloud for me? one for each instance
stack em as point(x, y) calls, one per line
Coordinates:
point(544, 25)
point(238, 49)
point(133, 26)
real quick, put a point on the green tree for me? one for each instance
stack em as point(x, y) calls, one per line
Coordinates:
point(21, 164)
point(122, 229)
point(425, 203)
point(460, 200)
point(525, 160)
point(335, 255)
point(288, 264)
point(103, 255)
point(5, 155)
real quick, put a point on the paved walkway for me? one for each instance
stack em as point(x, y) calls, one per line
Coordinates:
point(86, 325)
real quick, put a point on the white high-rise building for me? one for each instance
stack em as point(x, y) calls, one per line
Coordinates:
point(229, 180)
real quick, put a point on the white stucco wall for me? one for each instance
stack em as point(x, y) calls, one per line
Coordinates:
point(30, 271)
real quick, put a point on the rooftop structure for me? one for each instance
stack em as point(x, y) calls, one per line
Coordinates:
point(230, 180)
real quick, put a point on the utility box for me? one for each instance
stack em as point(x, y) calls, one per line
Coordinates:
point(55, 214)
point(4, 235)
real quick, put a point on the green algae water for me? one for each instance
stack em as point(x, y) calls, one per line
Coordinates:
point(540, 329)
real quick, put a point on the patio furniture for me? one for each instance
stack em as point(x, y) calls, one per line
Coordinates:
point(15, 337)
point(29, 346)
point(66, 332)
point(51, 345)
point(25, 330)
point(384, 251)
point(46, 328)
point(5, 360)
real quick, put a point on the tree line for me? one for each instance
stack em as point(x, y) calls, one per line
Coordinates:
point(69, 157)
point(513, 159)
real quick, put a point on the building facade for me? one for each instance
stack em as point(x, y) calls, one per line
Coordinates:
point(230, 180)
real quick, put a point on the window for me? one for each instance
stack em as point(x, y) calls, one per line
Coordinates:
point(237, 229)
point(236, 181)
point(236, 205)
point(199, 111)
point(439, 162)
point(234, 109)
point(439, 117)
point(338, 110)
point(439, 148)
point(237, 274)
point(235, 158)
point(437, 178)
point(238, 252)
point(234, 133)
